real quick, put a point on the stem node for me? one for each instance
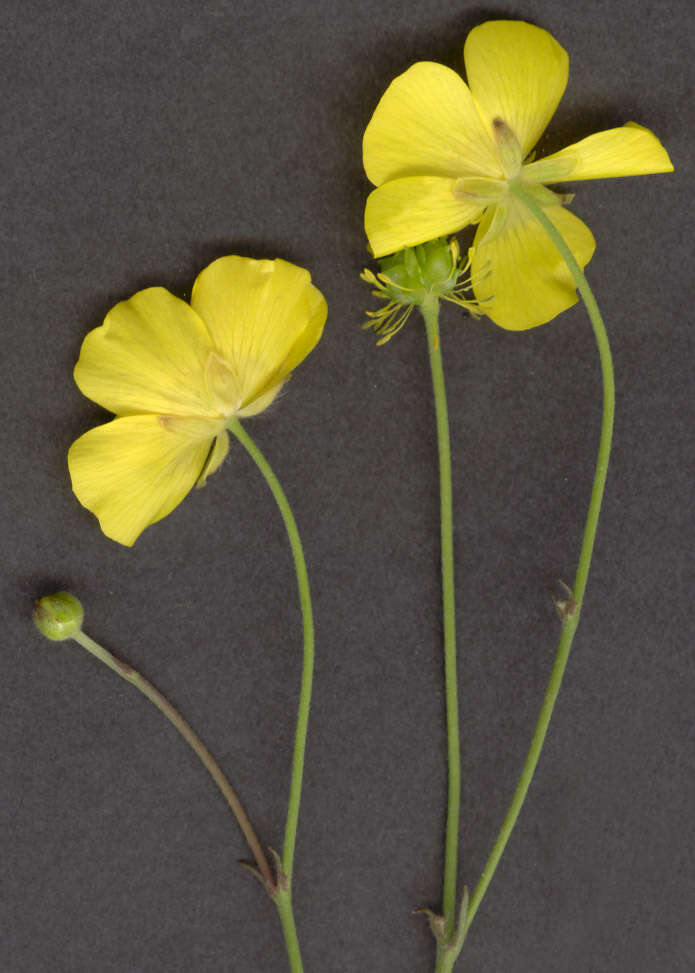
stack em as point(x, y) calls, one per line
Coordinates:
point(565, 607)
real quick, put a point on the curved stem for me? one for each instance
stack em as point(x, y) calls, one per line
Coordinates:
point(573, 607)
point(236, 428)
point(430, 312)
point(132, 676)
point(283, 899)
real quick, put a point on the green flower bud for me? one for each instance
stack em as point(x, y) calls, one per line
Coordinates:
point(58, 616)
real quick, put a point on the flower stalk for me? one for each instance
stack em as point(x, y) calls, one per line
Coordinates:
point(421, 277)
point(283, 899)
point(570, 609)
point(126, 671)
point(430, 312)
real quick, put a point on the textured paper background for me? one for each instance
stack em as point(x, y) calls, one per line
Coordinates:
point(142, 141)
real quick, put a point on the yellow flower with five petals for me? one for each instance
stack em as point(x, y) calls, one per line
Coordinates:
point(174, 373)
point(443, 153)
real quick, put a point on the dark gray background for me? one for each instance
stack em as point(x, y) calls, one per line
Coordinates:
point(142, 141)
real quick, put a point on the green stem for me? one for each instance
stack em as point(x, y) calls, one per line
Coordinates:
point(430, 312)
point(164, 706)
point(446, 957)
point(573, 608)
point(283, 900)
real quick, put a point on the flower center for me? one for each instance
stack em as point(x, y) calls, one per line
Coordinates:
point(492, 195)
point(486, 191)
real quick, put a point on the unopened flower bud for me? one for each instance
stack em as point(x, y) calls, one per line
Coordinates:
point(58, 616)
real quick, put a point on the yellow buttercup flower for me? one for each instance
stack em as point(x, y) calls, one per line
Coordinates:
point(443, 153)
point(174, 374)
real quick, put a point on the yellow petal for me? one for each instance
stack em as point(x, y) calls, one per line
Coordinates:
point(133, 471)
point(628, 151)
point(148, 356)
point(405, 212)
point(427, 124)
point(520, 272)
point(516, 72)
point(264, 316)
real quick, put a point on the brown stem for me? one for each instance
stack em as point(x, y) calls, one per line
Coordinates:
point(164, 706)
